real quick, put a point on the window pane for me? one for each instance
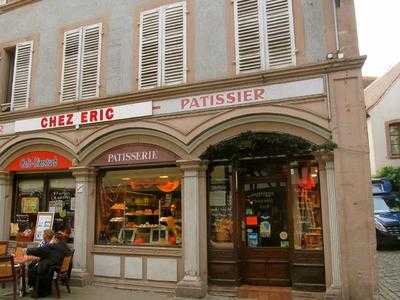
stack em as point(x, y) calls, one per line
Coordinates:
point(140, 207)
point(28, 202)
point(307, 209)
point(62, 203)
point(220, 207)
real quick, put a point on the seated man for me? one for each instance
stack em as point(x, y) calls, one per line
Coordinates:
point(51, 256)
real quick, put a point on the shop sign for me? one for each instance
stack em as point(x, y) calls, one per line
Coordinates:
point(254, 95)
point(85, 117)
point(39, 161)
point(134, 154)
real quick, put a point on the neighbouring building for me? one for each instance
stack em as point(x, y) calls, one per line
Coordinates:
point(190, 146)
point(383, 120)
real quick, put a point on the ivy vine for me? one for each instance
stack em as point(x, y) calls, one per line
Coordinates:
point(250, 145)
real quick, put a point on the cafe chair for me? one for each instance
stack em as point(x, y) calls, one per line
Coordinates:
point(8, 273)
point(63, 274)
point(3, 248)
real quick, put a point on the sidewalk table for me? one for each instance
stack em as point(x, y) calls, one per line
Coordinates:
point(21, 262)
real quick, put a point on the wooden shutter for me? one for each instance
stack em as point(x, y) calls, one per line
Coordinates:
point(22, 76)
point(174, 44)
point(279, 33)
point(248, 36)
point(150, 52)
point(90, 66)
point(71, 65)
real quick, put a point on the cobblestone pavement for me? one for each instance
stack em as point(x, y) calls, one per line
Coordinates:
point(389, 274)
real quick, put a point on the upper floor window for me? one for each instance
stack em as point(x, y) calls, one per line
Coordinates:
point(394, 139)
point(2, 2)
point(81, 63)
point(264, 34)
point(17, 68)
point(162, 54)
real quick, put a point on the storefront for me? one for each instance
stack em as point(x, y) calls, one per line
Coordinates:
point(138, 219)
point(42, 182)
point(187, 194)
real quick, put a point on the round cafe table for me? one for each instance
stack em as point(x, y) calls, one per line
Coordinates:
point(20, 263)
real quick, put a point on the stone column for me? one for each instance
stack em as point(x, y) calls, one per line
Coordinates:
point(5, 205)
point(331, 227)
point(194, 226)
point(85, 199)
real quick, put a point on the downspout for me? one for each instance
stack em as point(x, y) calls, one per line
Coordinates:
point(336, 4)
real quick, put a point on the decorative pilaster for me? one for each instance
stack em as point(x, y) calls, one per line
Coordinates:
point(332, 233)
point(194, 282)
point(85, 199)
point(5, 206)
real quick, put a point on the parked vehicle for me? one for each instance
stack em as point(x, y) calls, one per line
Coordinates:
point(387, 214)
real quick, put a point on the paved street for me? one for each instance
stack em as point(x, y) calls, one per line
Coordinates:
point(388, 269)
point(389, 274)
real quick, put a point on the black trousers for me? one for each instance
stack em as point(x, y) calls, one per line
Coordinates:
point(42, 276)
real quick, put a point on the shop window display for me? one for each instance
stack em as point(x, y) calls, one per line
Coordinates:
point(220, 207)
point(55, 195)
point(307, 208)
point(140, 207)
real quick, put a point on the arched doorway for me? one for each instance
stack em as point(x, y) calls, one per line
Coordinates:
point(264, 212)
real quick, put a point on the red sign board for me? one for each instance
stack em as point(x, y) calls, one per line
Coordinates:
point(132, 154)
point(40, 161)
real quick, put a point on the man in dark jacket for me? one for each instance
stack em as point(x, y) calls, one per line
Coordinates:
point(50, 257)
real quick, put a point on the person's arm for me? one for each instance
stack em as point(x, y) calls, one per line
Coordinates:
point(41, 252)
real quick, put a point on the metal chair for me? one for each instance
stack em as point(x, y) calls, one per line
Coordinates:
point(8, 273)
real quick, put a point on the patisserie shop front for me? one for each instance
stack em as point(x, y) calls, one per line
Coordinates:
point(138, 218)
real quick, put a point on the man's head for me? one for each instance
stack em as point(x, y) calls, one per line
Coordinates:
point(48, 234)
point(58, 237)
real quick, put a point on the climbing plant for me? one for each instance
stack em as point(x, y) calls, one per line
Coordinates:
point(250, 144)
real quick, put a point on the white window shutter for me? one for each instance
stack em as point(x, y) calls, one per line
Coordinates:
point(248, 36)
point(22, 76)
point(279, 33)
point(174, 44)
point(2, 2)
point(150, 52)
point(91, 57)
point(71, 65)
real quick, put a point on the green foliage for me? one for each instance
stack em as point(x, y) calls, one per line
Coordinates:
point(250, 144)
point(391, 173)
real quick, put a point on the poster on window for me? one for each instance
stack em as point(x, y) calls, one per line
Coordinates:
point(44, 221)
point(29, 205)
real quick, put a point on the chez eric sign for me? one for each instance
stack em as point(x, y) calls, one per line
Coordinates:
point(39, 161)
point(105, 114)
point(131, 154)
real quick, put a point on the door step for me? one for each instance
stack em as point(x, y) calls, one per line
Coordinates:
point(275, 293)
point(265, 292)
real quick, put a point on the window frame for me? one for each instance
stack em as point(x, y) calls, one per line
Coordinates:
point(161, 45)
point(263, 38)
point(82, 29)
point(389, 151)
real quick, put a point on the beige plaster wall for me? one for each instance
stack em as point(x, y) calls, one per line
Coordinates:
point(352, 171)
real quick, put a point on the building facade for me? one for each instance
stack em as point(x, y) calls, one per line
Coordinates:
point(190, 146)
point(383, 120)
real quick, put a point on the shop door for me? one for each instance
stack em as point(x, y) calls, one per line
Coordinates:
point(264, 231)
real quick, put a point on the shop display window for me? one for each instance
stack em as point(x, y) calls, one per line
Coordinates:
point(139, 207)
point(307, 208)
point(220, 207)
point(43, 195)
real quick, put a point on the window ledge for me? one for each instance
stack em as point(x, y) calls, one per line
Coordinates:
point(13, 4)
point(137, 250)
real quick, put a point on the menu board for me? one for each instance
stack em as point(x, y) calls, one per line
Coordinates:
point(61, 199)
point(44, 221)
